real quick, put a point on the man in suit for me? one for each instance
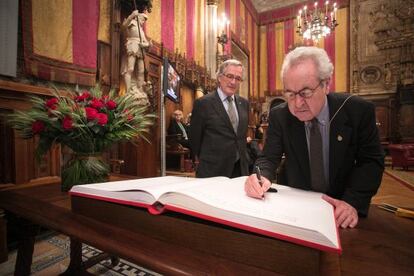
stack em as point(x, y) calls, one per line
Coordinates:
point(330, 141)
point(177, 127)
point(219, 126)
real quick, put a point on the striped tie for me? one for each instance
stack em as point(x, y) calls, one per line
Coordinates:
point(318, 181)
point(180, 125)
point(231, 111)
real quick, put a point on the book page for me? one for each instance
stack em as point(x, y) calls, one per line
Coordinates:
point(304, 209)
point(155, 186)
point(158, 186)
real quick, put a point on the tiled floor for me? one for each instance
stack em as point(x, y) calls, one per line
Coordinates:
point(51, 258)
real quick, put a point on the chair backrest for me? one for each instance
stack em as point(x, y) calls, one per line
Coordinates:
point(400, 153)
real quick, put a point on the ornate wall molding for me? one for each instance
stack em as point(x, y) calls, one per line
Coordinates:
point(370, 74)
point(382, 35)
point(354, 64)
point(392, 24)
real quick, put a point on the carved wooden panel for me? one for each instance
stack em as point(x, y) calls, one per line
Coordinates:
point(406, 113)
point(382, 123)
point(141, 158)
point(115, 43)
point(28, 168)
point(407, 123)
point(386, 111)
point(104, 65)
point(187, 99)
point(6, 152)
point(170, 106)
point(18, 163)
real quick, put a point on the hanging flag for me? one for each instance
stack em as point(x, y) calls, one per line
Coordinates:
point(60, 40)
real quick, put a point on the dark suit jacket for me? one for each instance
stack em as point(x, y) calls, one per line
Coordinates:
point(356, 159)
point(212, 138)
point(174, 129)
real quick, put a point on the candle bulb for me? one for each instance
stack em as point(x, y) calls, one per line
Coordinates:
point(306, 13)
point(219, 28)
point(228, 28)
point(335, 13)
point(223, 23)
point(326, 8)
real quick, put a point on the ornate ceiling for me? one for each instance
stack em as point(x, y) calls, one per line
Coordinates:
point(266, 5)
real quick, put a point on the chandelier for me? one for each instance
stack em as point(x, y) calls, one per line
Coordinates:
point(317, 23)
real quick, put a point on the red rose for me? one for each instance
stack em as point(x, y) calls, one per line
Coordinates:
point(102, 119)
point(67, 123)
point(91, 113)
point(95, 103)
point(84, 96)
point(111, 105)
point(38, 127)
point(52, 103)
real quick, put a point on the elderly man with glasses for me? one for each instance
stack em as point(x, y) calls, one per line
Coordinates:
point(219, 126)
point(330, 140)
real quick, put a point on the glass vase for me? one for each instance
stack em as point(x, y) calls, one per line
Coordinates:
point(84, 168)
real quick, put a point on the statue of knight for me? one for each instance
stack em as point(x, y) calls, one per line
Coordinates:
point(132, 65)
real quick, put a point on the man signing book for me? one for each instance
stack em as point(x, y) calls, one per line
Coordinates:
point(330, 140)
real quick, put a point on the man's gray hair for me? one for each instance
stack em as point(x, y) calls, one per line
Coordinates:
point(319, 56)
point(225, 64)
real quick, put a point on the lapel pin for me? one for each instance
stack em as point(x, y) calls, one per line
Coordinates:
point(339, 138)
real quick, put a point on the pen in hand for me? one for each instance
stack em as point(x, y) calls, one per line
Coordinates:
point(259, 177)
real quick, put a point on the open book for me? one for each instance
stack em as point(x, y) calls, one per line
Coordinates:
point(294, 215)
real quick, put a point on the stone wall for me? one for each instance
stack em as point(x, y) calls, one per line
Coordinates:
point(382, 62)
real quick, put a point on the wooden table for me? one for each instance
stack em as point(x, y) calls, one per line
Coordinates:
point(382, 244)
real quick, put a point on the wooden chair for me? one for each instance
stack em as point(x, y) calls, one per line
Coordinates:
point(402, 155)
point(173, 147)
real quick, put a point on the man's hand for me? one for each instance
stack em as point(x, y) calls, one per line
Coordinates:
point(253, 188)
point(345, 214)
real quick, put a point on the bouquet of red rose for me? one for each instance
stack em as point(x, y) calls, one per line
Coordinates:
point(88, 122)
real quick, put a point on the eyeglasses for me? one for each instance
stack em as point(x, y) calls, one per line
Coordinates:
point(232, 77)
point(304, 93)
